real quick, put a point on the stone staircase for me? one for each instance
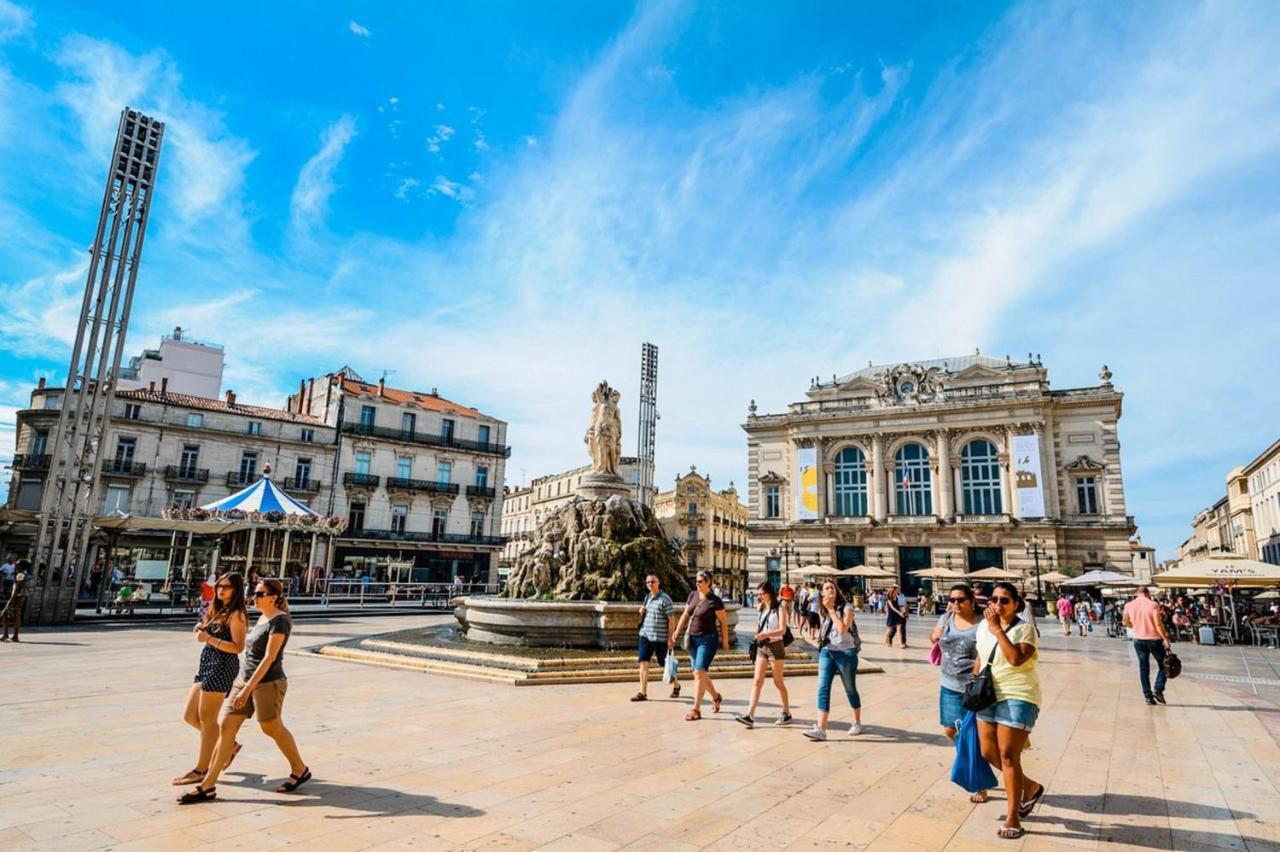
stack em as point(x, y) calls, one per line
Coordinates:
point(493, 666)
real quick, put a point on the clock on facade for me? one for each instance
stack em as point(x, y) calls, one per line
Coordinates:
point(906, 388)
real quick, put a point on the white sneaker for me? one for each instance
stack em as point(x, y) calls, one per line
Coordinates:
point(816, 734)
point(782, 721)
point(855, 729)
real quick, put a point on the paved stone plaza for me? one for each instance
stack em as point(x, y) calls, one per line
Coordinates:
point(92, 734)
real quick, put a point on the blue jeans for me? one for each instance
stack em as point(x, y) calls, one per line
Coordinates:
point(950, 710)
point(702, 649)
point(1146, 649)
point(844, 662)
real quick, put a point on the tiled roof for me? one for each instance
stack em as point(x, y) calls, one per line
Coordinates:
point(182, 400)
point(955, 365)
point(425, 401)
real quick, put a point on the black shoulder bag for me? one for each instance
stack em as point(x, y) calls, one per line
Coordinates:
point(980, 692)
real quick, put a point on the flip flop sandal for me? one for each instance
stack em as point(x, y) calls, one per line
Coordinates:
point(980, 798)
point(1008, 833)
point(199, 794)
point(295, 781)
point(195, 776)
point(1025, 808)
point(715, 703)
point(692, 716)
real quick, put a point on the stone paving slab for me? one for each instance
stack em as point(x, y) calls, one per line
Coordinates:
point(92, 732)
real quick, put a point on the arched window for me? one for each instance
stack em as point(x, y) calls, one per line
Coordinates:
point(913, 482)
point(851, 482)
point(980, 478)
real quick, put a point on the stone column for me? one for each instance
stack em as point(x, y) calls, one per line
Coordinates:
point(877, 478)
point(1049, 469)
point(943, 500)
point(1006, 465)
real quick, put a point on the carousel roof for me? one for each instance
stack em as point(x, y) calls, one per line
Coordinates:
point(261, 496)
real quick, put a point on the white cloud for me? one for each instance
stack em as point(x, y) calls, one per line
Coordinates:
point(310, 201)
point(443, 133)
point(406, 186)
point(363, 32)
point(15, 20)
point(450, 189)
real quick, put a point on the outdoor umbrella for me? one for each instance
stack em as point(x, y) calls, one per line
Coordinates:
point(1222, 568)
point(994, 573)
point(815, 570)
point(938, 574)
point(869, 572)
point(1267, 596)
point(1101, 578)
point(1054, 577)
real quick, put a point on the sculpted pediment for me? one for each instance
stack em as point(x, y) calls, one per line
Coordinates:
point(976, 371)
point(1084, 464)
point(771, 478)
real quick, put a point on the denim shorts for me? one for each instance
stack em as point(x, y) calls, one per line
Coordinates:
point(703, 649)
point(1011, 713)
point(950, 710)
point(649, 648)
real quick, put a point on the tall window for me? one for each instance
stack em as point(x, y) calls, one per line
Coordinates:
point(773, 501)
point(307, 435)
point(913, 482)
point(355, 516)
point(302, 471)
point(444, 472)
point(482, 434)
point(132, 411)
point(195, 420)
point(408, 422)
point(39, 442)
point(248, 466)
point(482, 477)
point(184, 499)
point(693, 533)
point(399, 514)
point(439, 522)
point(851, 482)
point(367, 413)
point(255, 427)
point(363, 459)
point(1087, 495)
point(404, 467)
point(980, 478)
point(125, 448)
point(190, 460)
point(446, 429)
point(477, 524)
point(117, 499)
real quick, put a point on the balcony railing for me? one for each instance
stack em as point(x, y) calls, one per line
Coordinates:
point(180, 473)
point(481, 491)
point(354, 428)
point(31, 461)
point(123, 467)
point(302, 486)
point(425, 537)
point(239, 479)
point(368, 480)
point(399, 482)
point(694, 544)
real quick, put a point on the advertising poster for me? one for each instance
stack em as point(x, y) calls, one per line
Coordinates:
point(807, 483)
point(1028, 481)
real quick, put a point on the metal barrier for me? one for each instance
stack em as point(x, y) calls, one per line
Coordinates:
point(347, 591)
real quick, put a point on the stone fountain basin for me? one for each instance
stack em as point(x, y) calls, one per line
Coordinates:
point(563, 624)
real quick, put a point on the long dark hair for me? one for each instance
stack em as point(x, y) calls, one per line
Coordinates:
point(275, 587)
point(223, 612)
point(841, 601)
point(766, 588)
point(1018, 600)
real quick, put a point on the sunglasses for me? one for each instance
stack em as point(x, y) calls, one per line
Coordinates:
point(957, 600)
point(262, 593)
point(225, 586)
point(1002, 601)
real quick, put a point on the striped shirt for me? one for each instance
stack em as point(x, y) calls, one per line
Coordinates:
point(657, 609)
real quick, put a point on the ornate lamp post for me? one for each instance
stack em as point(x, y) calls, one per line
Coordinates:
point(785, 548)
point(1035, 549)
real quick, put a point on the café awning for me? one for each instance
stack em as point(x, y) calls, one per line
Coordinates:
point(1221, 568)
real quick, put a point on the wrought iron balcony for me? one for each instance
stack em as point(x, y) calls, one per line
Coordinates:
point(302, 486)
point(694, 544)
point(481, 491)
point(402, 484)
point(415, 437)
point(238, 479)
point(425, 537)
point(181, 473)
point(31, 461)
point(123, 467)
point(367, 480)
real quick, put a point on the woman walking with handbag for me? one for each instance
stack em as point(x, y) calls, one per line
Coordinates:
point(770, 651)
point(1006, 646)
point(896, 620)
point(838, 646)
point(708, 624)
point(221, 631)
point(956, 636)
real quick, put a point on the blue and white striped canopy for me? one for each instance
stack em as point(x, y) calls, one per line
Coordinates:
point(261, 496)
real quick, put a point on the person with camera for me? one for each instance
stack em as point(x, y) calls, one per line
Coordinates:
point(1007, 644)
point(768, 651)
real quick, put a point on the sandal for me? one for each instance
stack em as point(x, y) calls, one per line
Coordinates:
point(199, 794)
point(639, 696)
point(232, 758)
point(675, 690)
point(715, 703)
point(980, 798)
point(693, 715)
point(1006, 832)
point(195, 776)
point(1025, 808)
point(295, 781)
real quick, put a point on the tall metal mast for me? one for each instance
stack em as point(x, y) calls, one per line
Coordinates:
point(646, 435)
point(71, 490)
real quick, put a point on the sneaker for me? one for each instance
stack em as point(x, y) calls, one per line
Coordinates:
point(1151, 701)
point(1160, 698)
point(783, 720)
point(744, 719)
point(816, 734)
point(855, 729)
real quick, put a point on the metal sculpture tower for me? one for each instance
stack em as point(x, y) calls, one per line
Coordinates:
point(71, 491)
point(647, 433)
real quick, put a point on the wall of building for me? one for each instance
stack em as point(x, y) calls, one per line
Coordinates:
point(710, 525)
point(187, 366)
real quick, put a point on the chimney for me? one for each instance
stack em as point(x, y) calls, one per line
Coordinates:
point(177, 332)
point(164, 385)
point(151, 387)
point(40, 384)
point(382, 385)
point(435, 391)
point(231, 397)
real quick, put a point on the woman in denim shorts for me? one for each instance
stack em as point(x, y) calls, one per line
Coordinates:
point(1004, 727)
point(708, 624)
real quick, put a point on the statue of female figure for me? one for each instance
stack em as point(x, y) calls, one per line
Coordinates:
point(604, 435)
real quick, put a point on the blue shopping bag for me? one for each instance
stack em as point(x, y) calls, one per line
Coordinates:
point(971, 771)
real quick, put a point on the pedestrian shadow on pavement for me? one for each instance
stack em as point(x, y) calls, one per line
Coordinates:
point(363, 801)
point(1143, 836)
point(1238, 707)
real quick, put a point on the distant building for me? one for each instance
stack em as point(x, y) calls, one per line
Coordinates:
point(1263, 477)
point(1247, 520)
point(188, 366)
point(711, 527)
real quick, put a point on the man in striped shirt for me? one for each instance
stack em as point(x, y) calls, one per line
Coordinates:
point(657, 624)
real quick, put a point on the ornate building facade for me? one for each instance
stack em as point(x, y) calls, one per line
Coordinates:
point(711, 527)
point(949, 463)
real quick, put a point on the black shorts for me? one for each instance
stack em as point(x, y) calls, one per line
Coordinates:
point(648, 648)
point(814, 621)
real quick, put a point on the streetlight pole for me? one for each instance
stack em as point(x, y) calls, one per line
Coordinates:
point(785, 549)
point(1035, 549)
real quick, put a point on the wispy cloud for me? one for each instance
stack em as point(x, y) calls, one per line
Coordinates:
point(357, 29)
point(310, 201)
point(450, 189)
point(15, 20)
point(443, 133)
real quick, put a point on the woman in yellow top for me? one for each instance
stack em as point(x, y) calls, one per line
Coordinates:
point(1004, 727)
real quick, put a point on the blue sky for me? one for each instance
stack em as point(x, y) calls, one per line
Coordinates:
point(505, 199)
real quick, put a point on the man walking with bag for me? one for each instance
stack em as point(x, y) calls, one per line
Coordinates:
point(657, 626)
point(1142, 615)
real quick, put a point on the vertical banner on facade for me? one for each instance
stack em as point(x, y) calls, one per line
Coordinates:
point(806, 483)
point(1028, 482)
